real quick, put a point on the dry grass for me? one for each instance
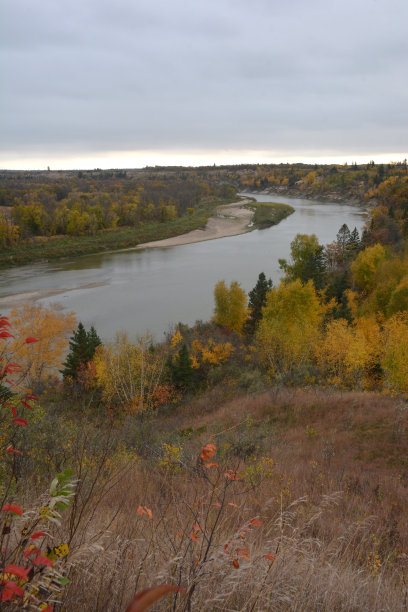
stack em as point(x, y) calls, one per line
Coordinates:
point(331, 506)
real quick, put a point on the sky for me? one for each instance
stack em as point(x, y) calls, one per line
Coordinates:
point(92, 83)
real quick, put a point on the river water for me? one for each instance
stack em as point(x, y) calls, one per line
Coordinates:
point(153, 289)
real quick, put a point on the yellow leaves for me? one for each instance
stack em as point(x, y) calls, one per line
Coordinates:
point(230, 306)
point(176, 338)
point(171, 458)
point(51, 327)
point(365, 266)
point(290, 326)
point(395, 357)
point(129, 374)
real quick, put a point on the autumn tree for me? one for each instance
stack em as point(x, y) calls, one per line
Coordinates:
point(230, 306)
point(130, 374)
point(290, 326)
point(257, 300)
point(51, 328)
point(365, 266)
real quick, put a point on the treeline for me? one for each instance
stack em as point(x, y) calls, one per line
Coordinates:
point(85, 203)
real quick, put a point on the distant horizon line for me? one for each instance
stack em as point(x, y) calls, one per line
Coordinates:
point(149, 158)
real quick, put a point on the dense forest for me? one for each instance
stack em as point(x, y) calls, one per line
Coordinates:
point(255, 461)
point(49, 213)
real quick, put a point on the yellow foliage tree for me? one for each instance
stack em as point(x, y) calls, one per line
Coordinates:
point(129, 374)
point(349, 354)
point(51, 328)
point(365, 266)
point(230, 306)
point(290, 326)
point(395, 356)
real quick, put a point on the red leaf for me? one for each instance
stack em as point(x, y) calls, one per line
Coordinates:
point(32, 550)
point(30, 396)
point(143, 600)
point(10, 589)
point(47, 609)
point(13, 508)
point(39, 534)
point(6, 334)
point(12, 450)
point(4, 321)
point(16, 570)
point(30, 339)
point(271, 557)
point(20, 421)
point(26, 405)
point(256, 522)
point(140, 511)
point(14, 411)
point(43, 561)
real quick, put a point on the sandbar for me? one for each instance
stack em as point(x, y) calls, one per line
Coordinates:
point(229, 220)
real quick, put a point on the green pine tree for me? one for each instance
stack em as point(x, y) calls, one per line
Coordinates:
point(257, 300)
point(181, 369)
point(82, 349)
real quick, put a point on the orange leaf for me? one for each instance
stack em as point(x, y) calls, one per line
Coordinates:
point(232, 475)
point(256, 522)
point(235, 563)
point(271, 557)
point(148, 512)
point(140, 511)
point(232, 504)
point(193, 536)
point(196, 527)
point(143, 600)
point(208, 451)
point(210, 465)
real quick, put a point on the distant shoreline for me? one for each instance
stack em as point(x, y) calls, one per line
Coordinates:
point(229, 220)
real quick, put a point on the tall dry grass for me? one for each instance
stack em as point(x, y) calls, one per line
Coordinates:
point(327, 510)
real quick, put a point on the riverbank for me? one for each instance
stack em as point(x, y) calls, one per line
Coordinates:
point(60, 247)
point(228, 220)
point(231, 220)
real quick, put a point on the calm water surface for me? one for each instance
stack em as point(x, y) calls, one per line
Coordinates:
point(152, 289)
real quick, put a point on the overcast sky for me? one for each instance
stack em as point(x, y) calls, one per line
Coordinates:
point(92, 83)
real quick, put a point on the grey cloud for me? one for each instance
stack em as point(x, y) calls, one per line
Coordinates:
point(91, 76)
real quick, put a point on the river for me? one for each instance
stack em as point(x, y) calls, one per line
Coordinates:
point(153, 289)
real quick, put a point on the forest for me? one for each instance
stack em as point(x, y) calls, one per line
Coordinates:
point(255, 461)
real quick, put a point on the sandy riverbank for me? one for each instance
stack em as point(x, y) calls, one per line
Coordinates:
point(229, 220)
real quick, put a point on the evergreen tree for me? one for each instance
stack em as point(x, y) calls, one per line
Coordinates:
point(354, 242)
point(257, 300)
point(181, 369)
point(82, 349)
